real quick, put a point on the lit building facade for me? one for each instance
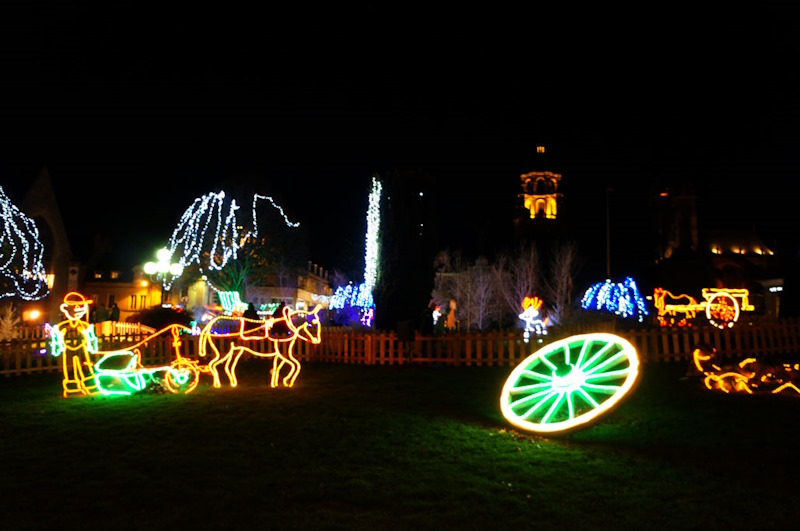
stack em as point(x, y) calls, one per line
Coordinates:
point(540, 194)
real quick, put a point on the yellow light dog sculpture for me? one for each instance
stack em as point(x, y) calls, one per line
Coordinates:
point(248, 335)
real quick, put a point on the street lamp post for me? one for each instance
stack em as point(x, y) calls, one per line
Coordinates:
point(163, 267)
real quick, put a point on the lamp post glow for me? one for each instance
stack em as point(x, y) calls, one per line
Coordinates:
point(163, 268)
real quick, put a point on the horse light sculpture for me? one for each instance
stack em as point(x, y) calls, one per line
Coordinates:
point(245, 335)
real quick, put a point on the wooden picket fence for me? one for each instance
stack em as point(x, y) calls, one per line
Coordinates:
point(507, 348)
point(29, 353)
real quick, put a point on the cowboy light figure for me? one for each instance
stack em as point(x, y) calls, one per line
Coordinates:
point(74, 339)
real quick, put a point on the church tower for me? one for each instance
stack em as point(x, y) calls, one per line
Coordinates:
point(538, 203)
point(540, 195)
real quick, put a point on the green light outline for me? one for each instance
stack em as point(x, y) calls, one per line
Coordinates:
point(531, 399)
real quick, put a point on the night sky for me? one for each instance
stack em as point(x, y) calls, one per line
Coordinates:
point(126, 103)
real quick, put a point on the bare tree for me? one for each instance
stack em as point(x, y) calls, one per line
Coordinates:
point(483, 302)
point(472, 286)
point(518, 277)
point(9, 320)
point(558, 286)
point(459, 286)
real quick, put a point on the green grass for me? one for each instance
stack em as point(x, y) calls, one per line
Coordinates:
point(394, 447)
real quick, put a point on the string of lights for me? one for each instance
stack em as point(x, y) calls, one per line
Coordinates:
point(207, 233)
point(373, 227)
point(21, 268)
point(361, 296)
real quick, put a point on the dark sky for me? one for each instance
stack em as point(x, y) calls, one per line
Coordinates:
point(125, 103)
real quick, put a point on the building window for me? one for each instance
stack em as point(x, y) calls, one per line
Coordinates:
point(98, 275)
point(133, 302)
point(115, 275)
point(142, 301)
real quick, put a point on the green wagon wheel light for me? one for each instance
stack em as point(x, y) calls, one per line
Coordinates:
point(569, 383)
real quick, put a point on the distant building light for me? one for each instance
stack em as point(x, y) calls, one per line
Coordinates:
point(539, 149)
point(775, 289)
point(664, 194)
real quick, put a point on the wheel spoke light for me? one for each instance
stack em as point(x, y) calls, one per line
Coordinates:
point(567, 384)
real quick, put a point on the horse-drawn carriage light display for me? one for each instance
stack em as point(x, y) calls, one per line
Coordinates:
point(121, 371)
point(722, 306)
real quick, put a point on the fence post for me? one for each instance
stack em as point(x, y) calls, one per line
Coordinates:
point(368, 348)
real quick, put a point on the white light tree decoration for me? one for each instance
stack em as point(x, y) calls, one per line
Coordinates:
point(207, 233)
point(22, 273)
point(361, 296)
point(373, 227)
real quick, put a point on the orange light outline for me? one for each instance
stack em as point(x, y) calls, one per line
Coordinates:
point(230, 359)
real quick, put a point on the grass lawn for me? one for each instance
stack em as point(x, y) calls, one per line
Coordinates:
point(393, 447)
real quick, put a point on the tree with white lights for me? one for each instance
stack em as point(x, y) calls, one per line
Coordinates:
point(348, 298)
point(22, 273)
point(208, 238)
point(371, 244)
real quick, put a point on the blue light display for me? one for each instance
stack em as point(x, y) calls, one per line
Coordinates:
point(622, 298)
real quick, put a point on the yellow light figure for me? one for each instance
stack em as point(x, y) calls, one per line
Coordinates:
point(74, 339)
point(530, 315)
point(728, 381)
point(787, 385)
point(748, 376)
point(244, 334)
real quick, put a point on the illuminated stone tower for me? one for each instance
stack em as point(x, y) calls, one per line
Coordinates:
point(539, 202)
point(540, 194)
